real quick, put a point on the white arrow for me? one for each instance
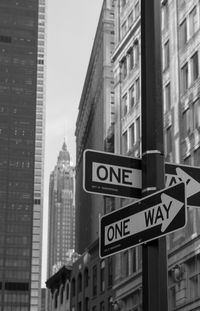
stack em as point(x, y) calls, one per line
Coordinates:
point(191, 185)
point(161, 214)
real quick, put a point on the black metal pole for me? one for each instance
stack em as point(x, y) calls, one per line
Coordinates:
point(154, 253)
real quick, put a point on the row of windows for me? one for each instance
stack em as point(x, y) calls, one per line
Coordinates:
point(131, 136)
point(188, 27)
point(189, 72)
point(130, 60)
point(132, 17)
point(131, 98)
point(191, 118)
point(96, 279)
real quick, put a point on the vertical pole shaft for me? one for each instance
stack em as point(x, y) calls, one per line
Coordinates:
point(154, 253)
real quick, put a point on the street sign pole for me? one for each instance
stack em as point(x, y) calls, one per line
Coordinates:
point(154, 252)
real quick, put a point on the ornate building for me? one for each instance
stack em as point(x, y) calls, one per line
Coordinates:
point(61, 237)
point(94, 126)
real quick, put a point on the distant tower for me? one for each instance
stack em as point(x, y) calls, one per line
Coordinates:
point(61, 211)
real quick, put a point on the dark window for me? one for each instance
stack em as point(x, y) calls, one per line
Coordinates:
point(125, 264)
point(79, 283)
point(94, 278)
point(195, 67)
point(86, 277)
point(73, 287)
point(102, 276)
point(110, 271)
point(166, 55)
point(5, 39)
point(184, 78)
point(167, 97)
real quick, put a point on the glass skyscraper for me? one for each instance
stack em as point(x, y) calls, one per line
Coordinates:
point(22, 49)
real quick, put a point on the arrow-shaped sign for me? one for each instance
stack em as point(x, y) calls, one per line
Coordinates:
point(161, 214)
point(144, 220)
point(191, 185)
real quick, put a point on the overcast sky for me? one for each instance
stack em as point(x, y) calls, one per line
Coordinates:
point(71, 27)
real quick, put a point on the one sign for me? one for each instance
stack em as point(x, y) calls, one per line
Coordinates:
point(190, 175)
point(147, 219)
point(112, 174)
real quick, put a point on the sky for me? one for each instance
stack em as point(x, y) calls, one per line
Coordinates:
point(71, 28)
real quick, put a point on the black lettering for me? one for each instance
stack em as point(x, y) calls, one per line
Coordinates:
point(118, 230)
point(124, 176)
point(103, 175)
point(110, 233)
point(113, 173)
point(125, 227)
point(149, 216)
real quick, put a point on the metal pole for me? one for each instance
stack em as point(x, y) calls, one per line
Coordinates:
point(154, 253)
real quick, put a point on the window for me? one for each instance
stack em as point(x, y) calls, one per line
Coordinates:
point(193, 21)
point(110, 271)
point(131, 96)
point(167, 98)
point(130, 19)
point(125, 264)
point(137, 10)
point(73, 287)
point(102, 276)
point(79, 283)
point(124, 143)
point(184, 78)
point(183, 34)
point(194, 67)
point(131, 59)
point(165, 15)
point(102, 306)
point(136, 52)
point(86, 304)
point(166, 56)
point(137, 90)
point(195, 114)
point(124, 105)
point(94, 278)
point(124, 68)
point(132, 135)
point(168, 140)
point(134, 259)
point(86, 277)
point(138, 129)
point(124, 28)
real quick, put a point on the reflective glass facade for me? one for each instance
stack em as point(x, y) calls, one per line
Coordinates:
point(20, 207)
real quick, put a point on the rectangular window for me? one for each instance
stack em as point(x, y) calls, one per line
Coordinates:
point(194, 67)
point(165, 15)
point(137, 90)
point(167, 98)
point(183, 33)
point(124, 67)
point(131, 59)
point(124, 143)
point(102, 276)
point(136, 52)
point(193, 21)
point(184, 78)
point(94, 276)
point(169, 140)
point(131, 97)
point(196, 114)
point(166, 55)
point(138, 129)
point(132, 135)
point(124, 105)
point(125, 264)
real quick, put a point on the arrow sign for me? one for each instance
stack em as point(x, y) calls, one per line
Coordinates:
point(149, 218)
point(190, 175)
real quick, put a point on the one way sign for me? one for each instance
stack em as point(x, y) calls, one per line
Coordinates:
point(147, 219)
